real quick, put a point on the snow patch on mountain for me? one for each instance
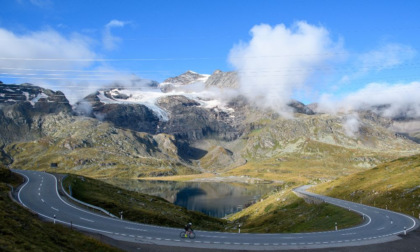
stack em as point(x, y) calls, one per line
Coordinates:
point(149, 97)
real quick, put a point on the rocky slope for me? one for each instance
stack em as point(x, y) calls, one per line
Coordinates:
point(221, 79)
point(22, 108)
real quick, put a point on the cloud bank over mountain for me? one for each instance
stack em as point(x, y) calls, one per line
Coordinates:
point(402, 99)
point(279, 60)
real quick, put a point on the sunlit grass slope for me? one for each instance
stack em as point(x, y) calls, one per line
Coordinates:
point(284, 212)
point(21, 230)
point(394, 185)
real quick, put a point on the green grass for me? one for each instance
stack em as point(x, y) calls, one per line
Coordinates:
point(284, 212)
point(21, 230)
point(138, 207)
point(394, 185)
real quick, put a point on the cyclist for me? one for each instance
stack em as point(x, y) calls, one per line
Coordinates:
point(188, 229)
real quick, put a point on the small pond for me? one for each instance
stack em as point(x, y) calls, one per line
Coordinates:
point(216, 199)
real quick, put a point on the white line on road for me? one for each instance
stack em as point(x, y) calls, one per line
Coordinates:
point(42, 200)
point(54, 208)
point(86, 219)
point(137, 229)
point(380, 228)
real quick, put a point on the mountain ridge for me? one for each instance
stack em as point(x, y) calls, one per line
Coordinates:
point(191, 130)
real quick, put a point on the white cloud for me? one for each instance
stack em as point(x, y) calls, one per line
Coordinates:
point(110, 41)
point(51, 60)
point(351, 124)
point(402, 99)
point(44, 49)
point(279, 60)
point(38, 3)
point(387, 56)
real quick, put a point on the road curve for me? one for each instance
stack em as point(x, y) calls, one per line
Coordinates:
point(40, 194)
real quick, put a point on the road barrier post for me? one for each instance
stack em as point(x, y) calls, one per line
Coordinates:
point(336, 226)
point(239, 228)
point(121, 214)
point(54, 218)
point(405, 231)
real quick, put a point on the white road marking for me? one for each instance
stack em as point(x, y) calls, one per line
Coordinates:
point(54, 209)
point(210, 236)
point(380, 228)
point(137, 229)
point(86, 219)
point(42, 200)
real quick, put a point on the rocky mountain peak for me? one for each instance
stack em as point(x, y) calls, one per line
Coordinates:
point(186, 78)
point(221, 79)
point(42, 100)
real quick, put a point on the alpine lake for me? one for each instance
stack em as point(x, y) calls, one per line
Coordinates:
point(217, 199)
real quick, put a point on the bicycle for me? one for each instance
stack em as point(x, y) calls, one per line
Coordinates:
point(189, 234)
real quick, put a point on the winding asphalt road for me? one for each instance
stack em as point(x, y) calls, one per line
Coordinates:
point(40, 194)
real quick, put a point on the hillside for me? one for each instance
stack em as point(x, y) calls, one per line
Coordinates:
point(86, 146)
point(394, 185)
point(282, 211)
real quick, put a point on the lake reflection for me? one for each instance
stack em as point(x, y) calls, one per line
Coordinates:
point(216, 199)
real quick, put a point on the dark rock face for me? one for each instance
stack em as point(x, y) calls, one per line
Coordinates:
point(301, 108)
point(189, 121)
point(22, 108)
point(130, 116)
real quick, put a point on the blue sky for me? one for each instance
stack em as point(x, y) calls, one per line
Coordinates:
point(366, 42)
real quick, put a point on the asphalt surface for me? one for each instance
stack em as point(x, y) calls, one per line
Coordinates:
point(40, 194)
